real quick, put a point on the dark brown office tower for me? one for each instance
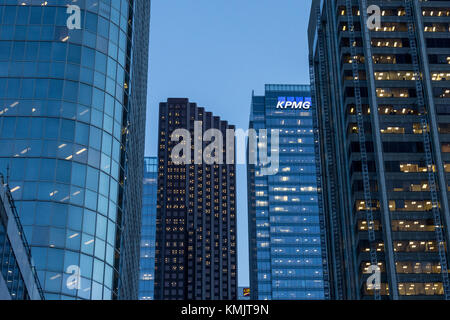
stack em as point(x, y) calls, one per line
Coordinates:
point(383, 100)
point(196, 216)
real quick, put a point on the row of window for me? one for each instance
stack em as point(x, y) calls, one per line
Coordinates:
point(411, 289)
point(400, 12)
point(62, 90)
point(401, 225)
point(9, 268)
point(406, 246)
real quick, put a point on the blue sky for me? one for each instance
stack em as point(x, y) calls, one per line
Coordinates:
point(215, 52)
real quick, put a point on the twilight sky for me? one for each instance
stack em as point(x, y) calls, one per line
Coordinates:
point(215, 52)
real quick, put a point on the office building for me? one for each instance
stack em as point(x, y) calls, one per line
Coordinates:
point(148, 230)
point(287, 244)
point(382, 94)
point(196, 215)
point(72, 106)
point(18, 277)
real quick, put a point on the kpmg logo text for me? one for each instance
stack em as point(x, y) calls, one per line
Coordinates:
point(294, 103)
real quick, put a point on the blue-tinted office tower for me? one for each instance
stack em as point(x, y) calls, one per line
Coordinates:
point(148, 231)
point(72, 106)
point(287, 241)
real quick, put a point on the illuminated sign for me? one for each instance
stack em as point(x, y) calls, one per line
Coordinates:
point(294, 103)
point(246, 292)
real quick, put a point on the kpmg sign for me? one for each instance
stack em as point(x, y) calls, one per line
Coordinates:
point(294, 103)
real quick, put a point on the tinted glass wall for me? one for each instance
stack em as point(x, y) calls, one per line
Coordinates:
point(65, 97)
point(18, 277)
point(287, 249)
point(147, 263)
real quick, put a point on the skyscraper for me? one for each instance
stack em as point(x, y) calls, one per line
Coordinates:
point(18, 277)
point(382, 97)
point(148, 230)
point(286, 229)
point(196, 219)
point(72, 106)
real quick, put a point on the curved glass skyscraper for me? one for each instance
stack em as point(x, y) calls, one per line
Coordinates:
point(72, 114)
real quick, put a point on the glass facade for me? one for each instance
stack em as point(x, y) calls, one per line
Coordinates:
point(285, 229)
point(148, 230)
point(71, 126)
point(383, 101)
point(18, 277)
